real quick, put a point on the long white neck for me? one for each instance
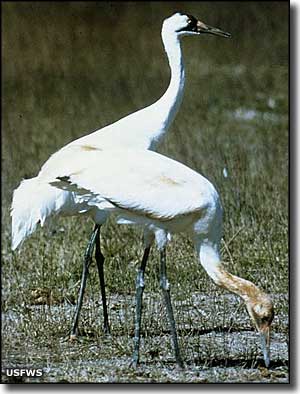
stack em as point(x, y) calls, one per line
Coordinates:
point(145, 127)
point(168, 105)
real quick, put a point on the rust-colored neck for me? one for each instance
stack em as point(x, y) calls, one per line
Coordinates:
point(244, 288)
point(211, 262)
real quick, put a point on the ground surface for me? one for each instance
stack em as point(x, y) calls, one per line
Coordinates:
point(227, 350)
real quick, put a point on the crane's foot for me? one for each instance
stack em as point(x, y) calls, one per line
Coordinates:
point(180, 364)
point(73, 338)
point(134, 363)
point(106, 329)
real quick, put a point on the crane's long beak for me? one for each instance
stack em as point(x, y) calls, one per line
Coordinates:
point(203, 28)
point(265, 344)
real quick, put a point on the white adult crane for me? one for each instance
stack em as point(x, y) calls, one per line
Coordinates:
point(164, 197)
point(35, 198)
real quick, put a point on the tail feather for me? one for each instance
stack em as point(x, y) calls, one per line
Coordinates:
point(33, 202)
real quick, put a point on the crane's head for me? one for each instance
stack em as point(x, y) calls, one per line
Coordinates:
point(261, 311)
point(186, 25)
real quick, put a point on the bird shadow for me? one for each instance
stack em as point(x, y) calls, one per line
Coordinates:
point(237, 362)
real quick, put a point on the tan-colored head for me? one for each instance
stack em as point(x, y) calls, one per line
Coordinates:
point(258, 303)
point(261, 311)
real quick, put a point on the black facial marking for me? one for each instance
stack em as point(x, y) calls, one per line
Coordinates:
point(192, 19)
point(191, 24)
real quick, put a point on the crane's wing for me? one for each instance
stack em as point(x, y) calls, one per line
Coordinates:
point(142, 182)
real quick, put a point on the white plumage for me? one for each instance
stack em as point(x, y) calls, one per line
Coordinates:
point(90, 176)
point(142, 130)
point(145, 184)
point(165, 197)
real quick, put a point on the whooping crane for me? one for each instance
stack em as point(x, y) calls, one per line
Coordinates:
point(164, 197)
point(34, 200)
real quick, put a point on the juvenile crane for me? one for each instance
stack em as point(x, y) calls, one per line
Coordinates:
point(164, 197)
point(34, 200)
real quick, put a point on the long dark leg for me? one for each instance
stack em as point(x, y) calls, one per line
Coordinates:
point(100, 262)
point(86, 263)
point(138, 311)
point(165, 286)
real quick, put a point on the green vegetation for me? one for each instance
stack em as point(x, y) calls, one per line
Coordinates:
point(72, 67)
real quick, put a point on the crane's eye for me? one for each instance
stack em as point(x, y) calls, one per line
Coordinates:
point(191, 23)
